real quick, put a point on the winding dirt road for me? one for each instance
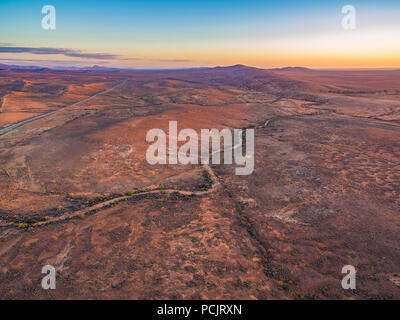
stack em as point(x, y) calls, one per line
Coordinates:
point(107, 203)
point(102, 205)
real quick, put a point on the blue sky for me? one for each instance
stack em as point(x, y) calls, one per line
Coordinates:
point(197, 33)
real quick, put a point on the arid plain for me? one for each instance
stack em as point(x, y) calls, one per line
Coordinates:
point(77, 192)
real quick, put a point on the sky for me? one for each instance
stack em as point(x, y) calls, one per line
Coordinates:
point(181, 34)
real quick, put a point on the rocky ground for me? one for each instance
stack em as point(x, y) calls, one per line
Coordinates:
point(76, 190)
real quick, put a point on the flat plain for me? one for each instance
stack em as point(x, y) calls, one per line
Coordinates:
point(77, 192)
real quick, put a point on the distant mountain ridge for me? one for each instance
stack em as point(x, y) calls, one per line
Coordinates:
point(291, 69)
point(236, 67)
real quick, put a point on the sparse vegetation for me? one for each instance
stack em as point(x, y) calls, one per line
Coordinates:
point(225, 227)
point(209, 179)
point(245, 224)
point(22, 225)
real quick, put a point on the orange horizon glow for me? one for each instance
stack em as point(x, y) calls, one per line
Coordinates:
point(179, 35)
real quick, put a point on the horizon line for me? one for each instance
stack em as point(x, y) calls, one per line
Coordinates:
point(96, 67)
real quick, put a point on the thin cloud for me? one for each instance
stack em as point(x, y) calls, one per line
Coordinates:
point(175, 60)
point(65, 52)
point(50, 62)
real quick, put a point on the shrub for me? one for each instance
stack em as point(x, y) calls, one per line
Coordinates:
point(245, 224)
point(22, 225)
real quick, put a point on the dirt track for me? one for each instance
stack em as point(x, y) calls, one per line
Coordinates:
point(21, 123)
